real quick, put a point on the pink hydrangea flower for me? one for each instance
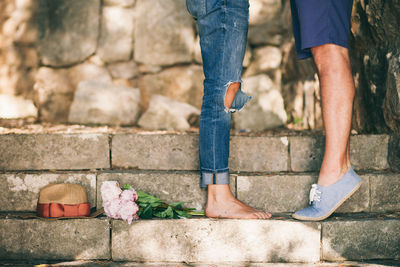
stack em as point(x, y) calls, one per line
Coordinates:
point(128, 210)
point(119, 204)
point(110, 190)
point(129, 195)
point(112, 208)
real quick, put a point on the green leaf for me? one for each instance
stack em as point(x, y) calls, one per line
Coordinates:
point(160, 214)
point(147, 198)
point(182, 213)
point(169, 212)
point(147, 213)
point(177, 204)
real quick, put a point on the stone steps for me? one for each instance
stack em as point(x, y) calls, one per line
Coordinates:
point(179, 151)
point(275, 192)
point(108, 263)
point(202, 240)
point(269, 171)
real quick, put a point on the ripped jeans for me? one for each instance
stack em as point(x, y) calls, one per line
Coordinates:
point(223, 26)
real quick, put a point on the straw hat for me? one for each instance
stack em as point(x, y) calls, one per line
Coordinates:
point(63, 200)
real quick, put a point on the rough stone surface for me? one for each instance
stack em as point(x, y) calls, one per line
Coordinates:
point(275, 193)
point(54, 88)
point(375, 52)
point(207, 240)
point(105, 103)
point(124, 70)
point(164, 113)
point(68, 31)
point(115, 43)
point(265, 110)
point(154, 151)
point(289, 193)
point(163, 32)
point(361, 201)
point(182, 83)
point(269, 22)
point(265, 59)
point(180, 152)
point(12, 107)
point(21, 191)
point(303, 103)
point(263, 11)
point(85, 263)
point(60, 239)
point(306, 152)
point(170, 187)
point(385, 190)
point(369, 152)
point(300, 90)
point(54, 151)
point(392, 98)
point(359, 240)
point(394, 153)
point(259, 154)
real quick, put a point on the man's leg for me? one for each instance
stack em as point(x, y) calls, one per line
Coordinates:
point(337, 95)
point(337, 181)
point(321, 30)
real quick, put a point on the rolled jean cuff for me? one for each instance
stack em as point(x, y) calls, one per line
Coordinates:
point(213, 178)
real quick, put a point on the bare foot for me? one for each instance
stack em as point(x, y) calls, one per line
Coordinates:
point(222, 204)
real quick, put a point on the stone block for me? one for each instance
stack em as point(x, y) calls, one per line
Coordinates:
point(385, 194)
point(154, 151)
point(123, 70)
point(169, 186)
point(54, 88)
point(265, 110)
point(70, 36)
point(116, 38)
point(369, 152)
point(275, 193)
point(105, 103)
point(289, 193)
point(360, 240)
point(54, 239)
point(266, 58)
point(13, 107)
point(263, 11)
point(360, 201)
point(21, 190)
point(262, 153)
point(54, 151)
point(306, 153)
point(165, 113)
point(207, 240)
point(164, 32)
point(182, 83)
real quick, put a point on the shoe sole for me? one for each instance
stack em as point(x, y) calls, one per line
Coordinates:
point(304, 218)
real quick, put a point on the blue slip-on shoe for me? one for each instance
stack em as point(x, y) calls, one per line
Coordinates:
point(325, 200)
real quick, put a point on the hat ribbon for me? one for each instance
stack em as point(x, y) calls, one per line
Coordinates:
point(53, 210)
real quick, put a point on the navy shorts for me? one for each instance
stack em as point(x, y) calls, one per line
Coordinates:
point(318, 22)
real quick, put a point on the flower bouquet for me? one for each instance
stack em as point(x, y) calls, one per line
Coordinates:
point(129, 204)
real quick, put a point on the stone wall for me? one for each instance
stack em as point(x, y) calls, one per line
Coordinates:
point(49, 47)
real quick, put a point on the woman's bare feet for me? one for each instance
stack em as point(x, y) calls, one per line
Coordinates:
point(222, 204)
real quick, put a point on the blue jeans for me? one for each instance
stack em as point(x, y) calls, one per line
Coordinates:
point(223, 26)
